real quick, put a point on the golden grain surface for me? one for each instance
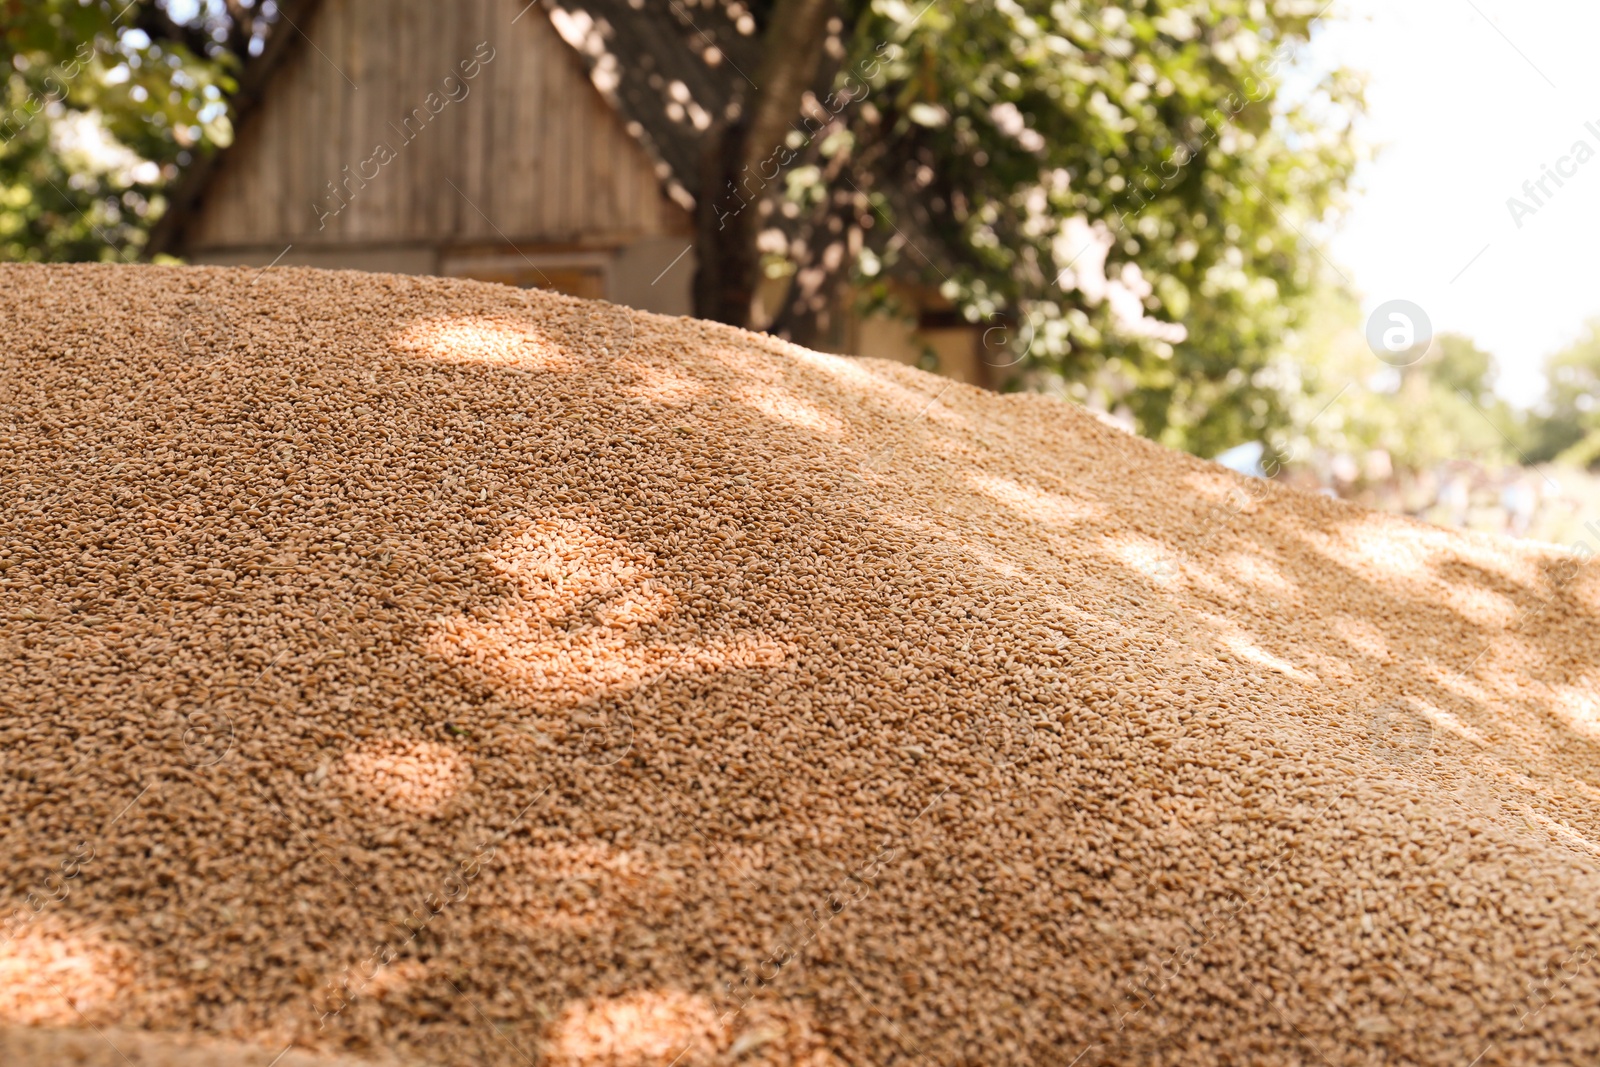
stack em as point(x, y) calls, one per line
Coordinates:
point(432, 670)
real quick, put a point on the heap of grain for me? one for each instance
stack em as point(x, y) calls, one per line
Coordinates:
point(434, 671)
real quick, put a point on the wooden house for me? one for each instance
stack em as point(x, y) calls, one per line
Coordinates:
point(552, 144)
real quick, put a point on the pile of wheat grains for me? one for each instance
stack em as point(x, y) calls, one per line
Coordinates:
point(433, 672)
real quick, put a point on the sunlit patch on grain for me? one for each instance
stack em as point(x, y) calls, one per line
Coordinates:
point(563, 566)
point(1466, 686)
point(1150, 559)
point(634, 608)
point(1257, 571)
point(412, 777)
point(1034, 503)
point(1579, 706)
point(785, 407)
point(395, 978)
point(49, 976)
point(1481, 606)
point(1561, 832)
point(1362, 636)
point(1247, 650)
point(1226, 491)
point(477, 340)
point(1446, 723)
point(584, 886)
point(842, 368)
point(588, 619)
point(672, 1028)
point(1380, 549)
point(658, 386)
point(875, 382)
point(1376, 548)
point(646, 1029)
point(594, 661)
point(1237, 641)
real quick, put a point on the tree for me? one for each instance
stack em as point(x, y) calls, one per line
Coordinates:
point(729, 271)
point(1567, 425)
point(103, 103)
point(1118, 193)
point(1439, 409)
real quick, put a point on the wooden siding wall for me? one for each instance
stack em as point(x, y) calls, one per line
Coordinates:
point(534, 146)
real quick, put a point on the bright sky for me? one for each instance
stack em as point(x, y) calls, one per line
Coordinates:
point(1473, 98)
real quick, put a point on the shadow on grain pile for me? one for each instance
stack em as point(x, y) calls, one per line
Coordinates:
point(431, 671)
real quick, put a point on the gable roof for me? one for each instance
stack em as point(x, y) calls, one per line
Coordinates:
point(669, 69)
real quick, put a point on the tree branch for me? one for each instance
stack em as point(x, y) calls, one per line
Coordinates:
point(792, 50)
point(740, 158)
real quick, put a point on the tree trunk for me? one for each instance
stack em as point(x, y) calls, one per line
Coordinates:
point(727, 225)
point(824, 248)
point(744, 158)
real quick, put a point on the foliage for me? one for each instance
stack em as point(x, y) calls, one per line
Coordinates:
point(99, 115)
point(1122, 191)
point(1567, 427)
point(1346, 401)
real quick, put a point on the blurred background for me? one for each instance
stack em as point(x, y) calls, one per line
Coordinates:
point(1342, 244)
